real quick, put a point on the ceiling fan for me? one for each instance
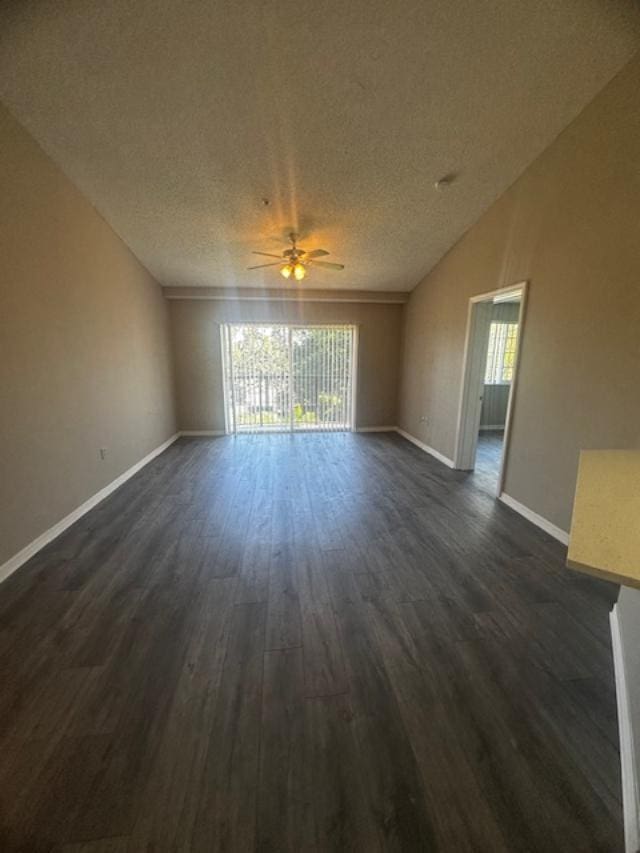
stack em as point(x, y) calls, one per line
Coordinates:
point(295, 261)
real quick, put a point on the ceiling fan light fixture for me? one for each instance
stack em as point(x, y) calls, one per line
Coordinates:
point(295, 261)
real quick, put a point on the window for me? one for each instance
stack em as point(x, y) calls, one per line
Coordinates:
point(288, 378)
point(501, 353)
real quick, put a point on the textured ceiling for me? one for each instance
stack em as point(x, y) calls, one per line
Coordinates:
point(177, 118)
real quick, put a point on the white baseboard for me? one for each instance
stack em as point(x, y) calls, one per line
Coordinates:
point(196, 432)
point(376, 429)
point(630, 788)
point(430, 450)
point(543, 523)
point(32, 548)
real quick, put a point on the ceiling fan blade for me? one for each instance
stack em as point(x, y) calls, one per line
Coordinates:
point(328, 265)
point(267, 255)
point(260, 266)
point(317, 253)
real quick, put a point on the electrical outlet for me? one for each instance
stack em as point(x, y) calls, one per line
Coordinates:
point(424, 419)
point(103, 453)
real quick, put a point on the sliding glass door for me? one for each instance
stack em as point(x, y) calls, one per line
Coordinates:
point(288, 378)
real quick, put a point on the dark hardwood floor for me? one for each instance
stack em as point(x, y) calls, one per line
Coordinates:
point(488, 460)
point(312, 642)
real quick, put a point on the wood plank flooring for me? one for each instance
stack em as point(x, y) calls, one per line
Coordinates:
point(310, 643)
point(488, 459)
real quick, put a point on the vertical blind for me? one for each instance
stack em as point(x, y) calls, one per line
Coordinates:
point(287, 378)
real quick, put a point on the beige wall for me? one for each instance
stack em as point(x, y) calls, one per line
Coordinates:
point(84, 347)
point(196, 343)
point(571, 227)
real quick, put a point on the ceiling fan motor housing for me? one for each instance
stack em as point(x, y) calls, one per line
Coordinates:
point(295, 261)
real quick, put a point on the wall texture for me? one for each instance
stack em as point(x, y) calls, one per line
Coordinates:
point(495, 400)
point(196, 343)
point(84, 347)
point(571, 227)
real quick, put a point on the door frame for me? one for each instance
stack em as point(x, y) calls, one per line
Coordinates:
point(473, 362)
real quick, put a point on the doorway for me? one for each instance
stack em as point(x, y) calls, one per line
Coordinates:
point(493, 342)
point(288, 378)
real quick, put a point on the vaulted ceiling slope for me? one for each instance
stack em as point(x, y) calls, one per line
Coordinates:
point(176, 119)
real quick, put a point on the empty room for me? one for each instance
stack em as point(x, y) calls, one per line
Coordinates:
point(320, 426)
